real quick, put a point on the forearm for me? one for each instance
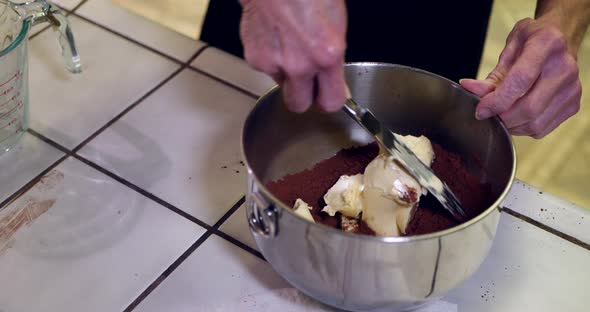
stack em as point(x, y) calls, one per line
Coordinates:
point(572, 17)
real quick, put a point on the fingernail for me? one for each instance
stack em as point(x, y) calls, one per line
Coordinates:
point(483, 113)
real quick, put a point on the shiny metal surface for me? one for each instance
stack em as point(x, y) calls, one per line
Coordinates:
point(362, 273)
point(406, 158)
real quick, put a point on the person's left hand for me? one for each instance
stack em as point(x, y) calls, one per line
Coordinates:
point(535, 86)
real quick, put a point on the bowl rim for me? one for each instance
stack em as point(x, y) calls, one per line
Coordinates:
point(384, 239)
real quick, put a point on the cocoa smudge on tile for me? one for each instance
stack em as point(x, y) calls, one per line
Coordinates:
point(49, 181)
point(24, 211)
point(20, 217)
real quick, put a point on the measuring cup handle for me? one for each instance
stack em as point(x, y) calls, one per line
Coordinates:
point(38, 11)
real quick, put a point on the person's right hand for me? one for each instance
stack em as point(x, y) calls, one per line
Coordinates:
point(301, 44)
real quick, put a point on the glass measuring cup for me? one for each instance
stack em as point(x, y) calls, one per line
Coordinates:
point(16, 19)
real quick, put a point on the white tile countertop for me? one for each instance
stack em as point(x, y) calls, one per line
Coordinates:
point(127, 193)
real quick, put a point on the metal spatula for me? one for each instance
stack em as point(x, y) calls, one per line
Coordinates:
point(406, 158)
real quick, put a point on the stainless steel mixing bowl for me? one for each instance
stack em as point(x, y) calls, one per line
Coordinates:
point(362, 273)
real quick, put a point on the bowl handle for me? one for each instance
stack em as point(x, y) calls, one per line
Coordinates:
point(263, 217)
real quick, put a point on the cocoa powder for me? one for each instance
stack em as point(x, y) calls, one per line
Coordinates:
point(475, 197)
point(310, 185)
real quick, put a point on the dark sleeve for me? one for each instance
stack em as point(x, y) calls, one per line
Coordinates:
point(444, 37)
point(221, 27)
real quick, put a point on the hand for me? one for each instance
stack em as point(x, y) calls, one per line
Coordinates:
point(301, 44)
point(535, 86)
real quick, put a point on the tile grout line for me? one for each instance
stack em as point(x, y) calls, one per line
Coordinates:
point(216, 229)
point(127, 110)
point(173, 59)
point(238, 243)
point(218, 79)
point(224, 82)
point(31, 37)
point(167, 272)
point(140, 100)
point(143, 192)
point(69, 153)
point(49, 141)
point(113, 176)
point(25, 188)
point(22, 190)
point(75, 8)
point(73, 153)
point(546, 228)
point(230, 212)
point(210, 231)
point(118, 34)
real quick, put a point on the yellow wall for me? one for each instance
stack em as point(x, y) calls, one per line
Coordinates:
point(183, 16)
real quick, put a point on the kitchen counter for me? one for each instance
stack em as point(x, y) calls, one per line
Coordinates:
point(127, 193)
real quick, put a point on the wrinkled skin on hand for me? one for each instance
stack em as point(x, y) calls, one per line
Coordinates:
point(301, 44)
point(535, 86)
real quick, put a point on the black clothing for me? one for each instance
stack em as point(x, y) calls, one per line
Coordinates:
point(444, 37)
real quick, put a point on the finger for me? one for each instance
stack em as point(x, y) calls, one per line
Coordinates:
point(331, 89)
point(555, 122)
point(559, 75)
point(261, 58)
point(520, 78)
point(477, 87)
point(298, 93)
point(571, 108)
point(538, 125)
point(514, 45)
point(533, 104)
point(562, 107)
point(299, 74)
point(262, 48)
point(542, 126)
point(508, 56)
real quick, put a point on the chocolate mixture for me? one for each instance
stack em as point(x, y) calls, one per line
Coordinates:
point(310, 185)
